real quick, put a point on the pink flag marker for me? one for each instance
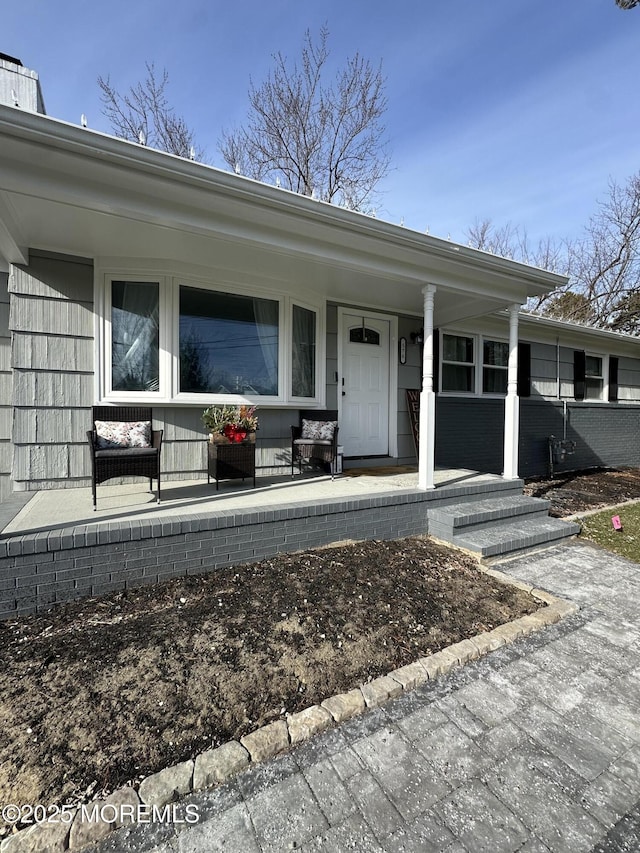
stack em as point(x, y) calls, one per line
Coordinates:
point(617, 524)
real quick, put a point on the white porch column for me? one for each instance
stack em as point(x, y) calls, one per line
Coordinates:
point(512, 401)
point(427, 429)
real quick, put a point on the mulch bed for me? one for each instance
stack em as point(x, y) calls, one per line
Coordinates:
point(582, 491)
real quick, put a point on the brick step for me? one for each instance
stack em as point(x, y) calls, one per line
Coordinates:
point(514, 534)
point(447, 521)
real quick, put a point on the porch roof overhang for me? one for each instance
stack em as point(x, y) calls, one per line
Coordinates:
point(70, 190)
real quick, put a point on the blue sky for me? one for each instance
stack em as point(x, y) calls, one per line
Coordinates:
point(519, 111)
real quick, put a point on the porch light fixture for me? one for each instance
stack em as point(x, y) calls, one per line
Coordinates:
point(417, 337)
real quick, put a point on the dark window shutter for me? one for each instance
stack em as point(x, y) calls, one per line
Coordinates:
point(579, 369)
point(524, 370)
point(613, 379)
point(436, 359)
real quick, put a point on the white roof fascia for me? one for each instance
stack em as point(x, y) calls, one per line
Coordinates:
point(147, 163)
point(577, 328)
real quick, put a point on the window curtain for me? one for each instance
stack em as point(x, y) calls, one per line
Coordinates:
point(265, 312)
point(135, 336)
point(303, 353)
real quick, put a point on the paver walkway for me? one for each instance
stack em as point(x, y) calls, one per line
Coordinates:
point(534, 748)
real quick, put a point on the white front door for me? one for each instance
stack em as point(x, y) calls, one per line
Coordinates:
point(364, 419)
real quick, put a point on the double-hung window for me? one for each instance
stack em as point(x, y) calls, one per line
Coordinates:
point(473, 364)
point(594, 377)
point(458, 363)
point(495, 364)
point(171, 340)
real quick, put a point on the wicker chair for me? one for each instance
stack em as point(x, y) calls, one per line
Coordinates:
point(325, 451)
point(126, 461)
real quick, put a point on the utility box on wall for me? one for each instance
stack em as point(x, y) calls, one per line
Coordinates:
point(559, 449)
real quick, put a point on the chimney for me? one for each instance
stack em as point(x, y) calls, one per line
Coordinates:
point(19, 87)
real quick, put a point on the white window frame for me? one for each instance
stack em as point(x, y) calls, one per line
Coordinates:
point(194, 397)
point(477, 364)
point(604, 377)
point(459, 334)
point(496, 340)
point(320, 335)
point(104, 340)
point(169, 337)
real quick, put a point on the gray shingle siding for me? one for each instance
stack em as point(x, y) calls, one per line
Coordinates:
point(51, 322)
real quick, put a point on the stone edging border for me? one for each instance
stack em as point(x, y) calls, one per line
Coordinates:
point(215, 766)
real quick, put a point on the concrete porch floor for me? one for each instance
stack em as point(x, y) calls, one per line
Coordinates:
point(53, 509)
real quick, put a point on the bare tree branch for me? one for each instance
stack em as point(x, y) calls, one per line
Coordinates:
point(144, 113)
point(603, 266)
point(315, 138)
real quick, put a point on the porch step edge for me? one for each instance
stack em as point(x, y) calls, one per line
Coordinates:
point(515, 536)
point(453, 518)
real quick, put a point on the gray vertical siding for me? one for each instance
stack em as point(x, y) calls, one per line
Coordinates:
point(6, 451)
point(544, 370)
point(51, 321)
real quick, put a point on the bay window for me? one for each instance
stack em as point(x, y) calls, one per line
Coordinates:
point(172, 340)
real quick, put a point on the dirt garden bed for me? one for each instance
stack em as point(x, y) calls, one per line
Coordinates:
point(101, 692)
point(582, 491)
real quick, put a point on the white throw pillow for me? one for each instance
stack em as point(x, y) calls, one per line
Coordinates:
point(119, 434)
point(318, 430)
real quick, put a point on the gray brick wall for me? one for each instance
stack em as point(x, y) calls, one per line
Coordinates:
point(43, 569)
point(605, 434)
point(6, 452)
point(469, 433)
point(38, 570)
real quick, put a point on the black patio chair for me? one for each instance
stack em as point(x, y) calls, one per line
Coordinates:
point(107, 463)
point(308, 445)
